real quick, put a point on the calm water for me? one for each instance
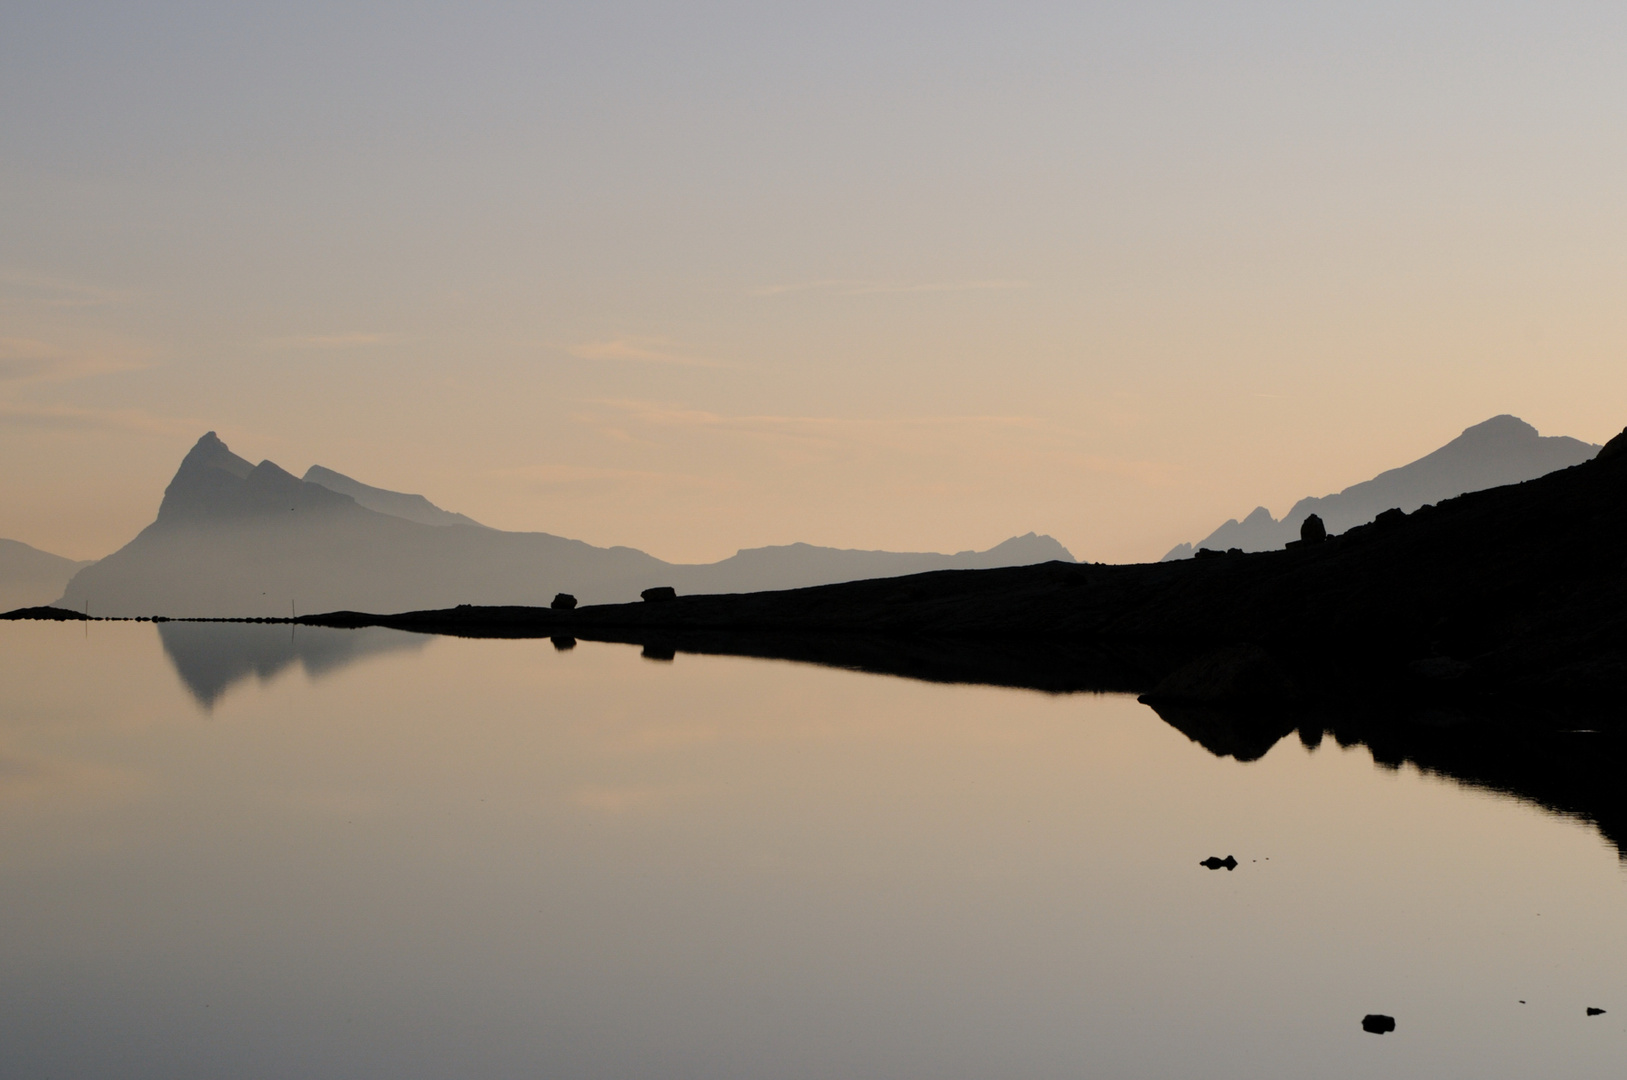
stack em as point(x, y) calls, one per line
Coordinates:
point(246, 852)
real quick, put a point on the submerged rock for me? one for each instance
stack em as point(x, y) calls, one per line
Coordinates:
point(1377, 1023)
point(1215, 862)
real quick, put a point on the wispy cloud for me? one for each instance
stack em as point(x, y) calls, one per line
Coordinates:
point(20, 289)
point(641, 351)
point(553, 477)
point(330, 341)
point(862, 287)
point(978, 442)
point(24, 360)
point(68, 418)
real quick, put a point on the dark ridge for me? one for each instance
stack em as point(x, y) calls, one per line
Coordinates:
point(49, 614)
point(1512, 599)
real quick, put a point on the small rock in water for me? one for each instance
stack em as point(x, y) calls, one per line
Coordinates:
point(1214, 862)
point(1591, 1011)
point(1377, 1023)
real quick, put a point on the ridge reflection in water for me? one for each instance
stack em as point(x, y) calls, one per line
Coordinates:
point(495, 858)
point(211, 657)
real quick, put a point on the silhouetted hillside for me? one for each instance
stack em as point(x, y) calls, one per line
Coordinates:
point(1512, 599)
point(29, 576)
point(234, 539)
point(1502, 450)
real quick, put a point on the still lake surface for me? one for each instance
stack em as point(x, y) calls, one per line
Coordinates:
point(232, 851)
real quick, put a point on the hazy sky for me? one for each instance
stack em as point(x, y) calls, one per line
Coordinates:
point(694, 277)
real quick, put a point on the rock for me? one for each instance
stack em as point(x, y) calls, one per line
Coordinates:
point(1390, 517)
point(1591, 1011)
point(1312, 531)
point(1214, 862)
point(660, 592)
point(563, 602)
point(1377, 1023)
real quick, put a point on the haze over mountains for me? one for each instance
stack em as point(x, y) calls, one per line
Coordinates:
point(235, 539)
point(29, 576)
point(1502, 450)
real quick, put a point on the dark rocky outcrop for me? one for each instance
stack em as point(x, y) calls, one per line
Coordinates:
point(563, 602)
point(45, 614)
point(659, 594)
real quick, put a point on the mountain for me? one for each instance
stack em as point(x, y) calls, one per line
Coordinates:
point(1509, 604)
point(395, 503)
point(793, 566)
point(29, 576)
point(239, 540)
point(1502, 450)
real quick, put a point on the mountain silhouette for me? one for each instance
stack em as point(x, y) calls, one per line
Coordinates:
point(395, 503)
point(29, 576)
point(238, 540)
point(1502, 450)
point(1510, 601)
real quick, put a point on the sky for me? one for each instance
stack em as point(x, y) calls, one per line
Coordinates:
point(697, 277)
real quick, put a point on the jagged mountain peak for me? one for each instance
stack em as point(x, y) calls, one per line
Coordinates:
point(211, 453)
point(213, 482)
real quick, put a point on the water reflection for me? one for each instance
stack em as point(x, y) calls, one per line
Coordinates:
point(499, 858)
point(1574, 772)
point(211, 657)
point(1571, 770)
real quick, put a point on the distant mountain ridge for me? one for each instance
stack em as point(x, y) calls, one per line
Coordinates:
point(240, 540)
point(395, 503)
point(1502, 450)
point(29, 576)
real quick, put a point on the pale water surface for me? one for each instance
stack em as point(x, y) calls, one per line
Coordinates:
point(250, 852)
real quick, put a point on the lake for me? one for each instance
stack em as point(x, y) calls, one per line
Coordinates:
point(258, 851)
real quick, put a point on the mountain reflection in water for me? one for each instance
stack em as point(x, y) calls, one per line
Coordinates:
point(211, 657)
point(1571, 768)
point(510, 858)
